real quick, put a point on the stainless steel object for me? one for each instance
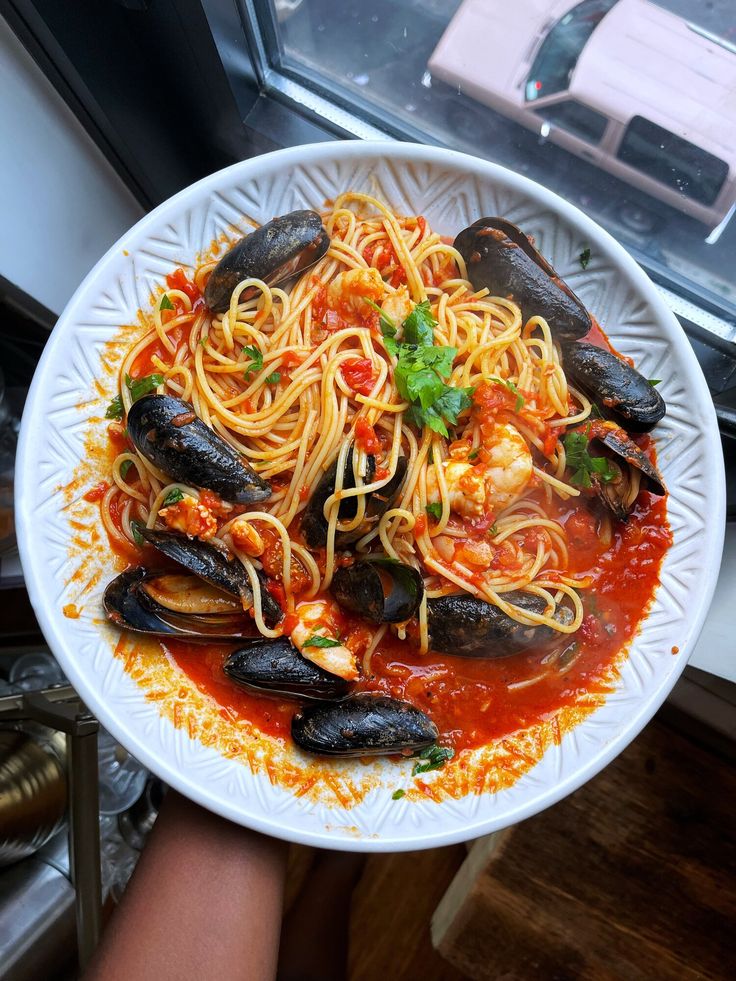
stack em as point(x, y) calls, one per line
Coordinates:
point(37, 915)
point(60, 708)
point(32, 791)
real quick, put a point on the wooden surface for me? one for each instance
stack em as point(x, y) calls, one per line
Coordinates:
point(632, 878)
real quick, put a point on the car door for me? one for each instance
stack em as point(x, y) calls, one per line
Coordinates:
point(571, 124)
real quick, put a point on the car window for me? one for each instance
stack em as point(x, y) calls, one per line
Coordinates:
point(672, 161)
point(560, 50)
point(576, 118)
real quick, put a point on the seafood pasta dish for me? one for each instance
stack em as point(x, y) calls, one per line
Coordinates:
point(383, 491)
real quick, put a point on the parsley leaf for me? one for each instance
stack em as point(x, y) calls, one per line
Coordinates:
point(397, 794)
point(138, 387)
point(203, 340)
point(583, 464)
point(256, 360)
point(135, 527)
point(115, 409)
point(434, 758)
point(317, 641)
point(595, 411)
point(165, 303)
point(511, 386)
point(435, 510)
point(125, 467)
point(173, 497)
point(585, 257)
point(493, 530)
point(473, 455)
point(445, 408)
point(273, 378)
point(654, 382)
point(388, 328)
point(419, 325)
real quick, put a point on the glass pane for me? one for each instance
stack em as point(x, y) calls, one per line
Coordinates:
point(576, 118)
point(672, 160)
point(625, 107)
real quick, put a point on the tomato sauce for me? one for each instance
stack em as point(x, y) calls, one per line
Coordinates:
point(472, 700)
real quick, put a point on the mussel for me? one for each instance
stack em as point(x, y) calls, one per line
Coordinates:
point(141, 600)
point(314, 523)
point(470, 627)
point(276, 251)
point(167, 431)
point(381, 590)
point(209, 602)
point(620, 391)
point(362, 725)
point(632, 469)
point(276, 666)
point(498, 255)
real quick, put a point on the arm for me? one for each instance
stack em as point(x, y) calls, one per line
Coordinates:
point(204, 902)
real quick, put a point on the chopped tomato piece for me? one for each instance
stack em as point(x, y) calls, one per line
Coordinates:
point(365, 437)
point(178, 281)
point(420, 526)
point(97, 492)
point(359, 375)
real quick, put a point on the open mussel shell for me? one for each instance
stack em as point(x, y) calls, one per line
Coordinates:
point(314, 523)
point(467, 626)
point(380, 590)
point(128, 604)
point(498, 255)
point(362, 725)
point(214, 565)
point(167, 431)
point(276, 666)
point(276, 251)
point(620, 494)
point(620, 391)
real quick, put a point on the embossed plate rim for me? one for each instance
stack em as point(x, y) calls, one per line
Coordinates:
point(411, 825)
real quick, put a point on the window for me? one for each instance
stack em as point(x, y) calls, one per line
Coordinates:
point(556, 59)
point(576, 118)
point(672, 161)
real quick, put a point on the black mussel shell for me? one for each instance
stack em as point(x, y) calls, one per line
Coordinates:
point(276, 251)
point(626, 454)
point(167, 432)
point(380, 590)
point(314, 525)
point(276, 666)
point(127, 605)
point(363, 725)
point(215, 565)
point(498, 255)
point(620, 391)
point(466, 626)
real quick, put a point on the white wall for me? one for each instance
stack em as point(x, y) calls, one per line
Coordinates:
point(61, 204)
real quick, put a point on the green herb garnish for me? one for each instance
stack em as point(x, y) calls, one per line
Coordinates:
point(654, 382)
point(203, 340)
point(317, 641)
point(173, 497)
point(473, 455)
point(125, 467)
point(274, 378)
point(583, 464)
point(511, 386)
point(584, 257)
point(165, 303)
point(135, 527)
point(138, 387)
point(595, 412)
point(115, 408)
point(433, 757)
point(493, 530)
point(388, 328)
point(419, 325)
point(435, 510)
point(397, 794)
point(256, 360)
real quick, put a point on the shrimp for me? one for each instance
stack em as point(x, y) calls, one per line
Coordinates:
point(190, 516)
point(314, 623)
point(488, 486)
point(348, 291)
point(397, 306)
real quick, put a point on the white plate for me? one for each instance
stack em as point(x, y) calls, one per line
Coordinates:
point(451, 190)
